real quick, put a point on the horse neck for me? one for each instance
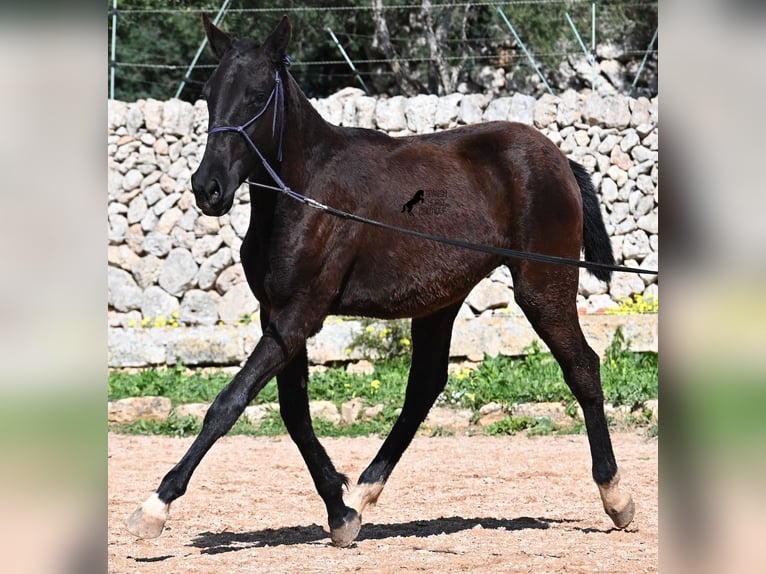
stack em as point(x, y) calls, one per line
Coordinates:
point(305, 129)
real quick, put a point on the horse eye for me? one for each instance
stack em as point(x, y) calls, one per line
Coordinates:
point(258, 98)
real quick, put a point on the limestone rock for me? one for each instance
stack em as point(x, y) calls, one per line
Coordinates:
point(350, 410)
point(139, 408)
point(471, 106)
point(546, 110)
point(420, 113)
point(491, 413)
point(212, 267)
point(324, 410)
point(199, 307)
point(363, 367)
point(448, 418)
point(498, 110)
point(178, 273)
point(489, 295)
point(522, 109)
point(122, 292)
point(237, 301)
point(195, 410)
point(447, 110)
point(389, 114)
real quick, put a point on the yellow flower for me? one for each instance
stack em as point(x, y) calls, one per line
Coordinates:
point(131, 323)
point(405, 342)
point(375, 384)
point(462, 374)
point(369, 329)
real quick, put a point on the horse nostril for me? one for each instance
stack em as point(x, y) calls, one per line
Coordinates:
point(214, 192)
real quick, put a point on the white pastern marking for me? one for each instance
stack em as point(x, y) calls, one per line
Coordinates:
point(363, 495)
point(155, 508)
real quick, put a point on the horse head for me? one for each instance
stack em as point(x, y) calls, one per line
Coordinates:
point(245, 98)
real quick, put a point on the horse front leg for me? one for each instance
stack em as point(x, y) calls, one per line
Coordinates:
point(270, 356)
point(294, 407)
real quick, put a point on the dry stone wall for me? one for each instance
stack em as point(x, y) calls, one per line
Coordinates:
point(169, 264)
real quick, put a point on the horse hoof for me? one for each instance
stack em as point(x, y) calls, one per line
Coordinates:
point(345, 534)
point(622, 514)
point(149, 519)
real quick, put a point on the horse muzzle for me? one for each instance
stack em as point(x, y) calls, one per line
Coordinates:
point(211, 195)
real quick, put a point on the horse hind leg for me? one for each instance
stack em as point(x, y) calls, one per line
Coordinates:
point(548, 301)
point(431, 337)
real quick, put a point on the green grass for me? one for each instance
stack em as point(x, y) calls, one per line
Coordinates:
point(628, 379)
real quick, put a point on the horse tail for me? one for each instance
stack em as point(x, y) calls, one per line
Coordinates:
point(597, 245)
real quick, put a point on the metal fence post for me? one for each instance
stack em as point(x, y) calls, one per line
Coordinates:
point(588, 55)
point(113, 61)
point(643, 63)
point(216, 20)
point(348, 60)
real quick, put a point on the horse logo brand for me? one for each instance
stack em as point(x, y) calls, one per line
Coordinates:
point(417, 198)
point(434, 202)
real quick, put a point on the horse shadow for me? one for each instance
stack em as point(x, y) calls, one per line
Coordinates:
point(219, 542)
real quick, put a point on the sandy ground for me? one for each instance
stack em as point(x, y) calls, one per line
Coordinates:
point(454, 504)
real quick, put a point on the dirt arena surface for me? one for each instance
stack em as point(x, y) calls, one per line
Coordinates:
point(454, 504)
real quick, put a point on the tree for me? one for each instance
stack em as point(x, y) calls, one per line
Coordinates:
point(400, 47)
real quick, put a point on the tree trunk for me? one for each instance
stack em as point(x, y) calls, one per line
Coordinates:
point(382, 40)
point(443, 77)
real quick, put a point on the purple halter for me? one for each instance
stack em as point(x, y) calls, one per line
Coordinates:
point(278, 95)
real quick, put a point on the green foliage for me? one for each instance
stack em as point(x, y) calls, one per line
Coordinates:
point(190, 426)
point(538, 426)
point(385, 385)
point(628, 379)
point(156, 41)
point(535, 377)
point(383, 339)
point(179, 384)
point(172, 426)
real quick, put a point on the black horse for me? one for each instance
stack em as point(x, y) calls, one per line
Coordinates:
point(507, 185)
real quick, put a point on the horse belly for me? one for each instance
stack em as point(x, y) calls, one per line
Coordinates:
point(411, 283)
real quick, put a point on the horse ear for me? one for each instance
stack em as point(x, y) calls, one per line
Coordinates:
point(276, 43)
point(220, 42)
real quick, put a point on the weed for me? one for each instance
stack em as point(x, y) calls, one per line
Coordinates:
point(508, 426)
point(635, 305)
point(383, 339)
point(538, 426)
point(628, 379)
